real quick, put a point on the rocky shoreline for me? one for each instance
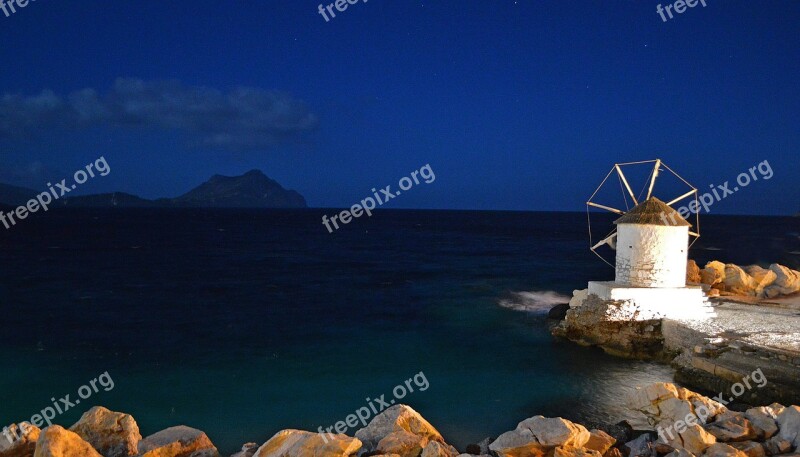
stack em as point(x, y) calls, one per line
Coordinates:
point(677, 422)
point(755, 325)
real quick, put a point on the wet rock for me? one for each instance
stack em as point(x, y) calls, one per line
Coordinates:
point(56, 441)
point(111, 434)
point(299, 443)
point(180, 441)
point(19, 440)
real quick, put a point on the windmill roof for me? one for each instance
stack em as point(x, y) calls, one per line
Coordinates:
point(653, 212)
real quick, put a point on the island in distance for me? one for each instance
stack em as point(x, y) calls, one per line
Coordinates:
point(253, 189)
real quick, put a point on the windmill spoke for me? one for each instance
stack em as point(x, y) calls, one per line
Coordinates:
point(607, 208)
point(687, 194)
point(627, 186)
point(653, 180)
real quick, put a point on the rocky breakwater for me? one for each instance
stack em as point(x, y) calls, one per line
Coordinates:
point(677, 423)
point(694, 425)
point(721, 279)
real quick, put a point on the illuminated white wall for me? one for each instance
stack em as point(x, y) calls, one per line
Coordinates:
point(652, 255)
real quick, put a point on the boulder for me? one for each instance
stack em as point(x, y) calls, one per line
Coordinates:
point(693, 438)
point(787, 280)
point(19, 440)
point(763, 422)
point(600, 441)
point(775, 409)
point(112, 434)
point(56, 441)
point(552, 432)
point(299, 443)
point(516, 444)
point(731, 426)
point(693, 272)
point(789, 425)
point(180, 441)
point(613, 452)
point(750, 448)
point(777, 445)
point(737, 281)
point(713, 273)
point(394, 419)
point(723, 450)
point(762, 277)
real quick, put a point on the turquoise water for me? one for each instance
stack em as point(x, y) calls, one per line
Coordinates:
point(242, 323)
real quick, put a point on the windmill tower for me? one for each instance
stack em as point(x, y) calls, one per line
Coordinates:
point(652, 241)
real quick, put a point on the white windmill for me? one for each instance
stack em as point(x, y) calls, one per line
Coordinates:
point(651, 240)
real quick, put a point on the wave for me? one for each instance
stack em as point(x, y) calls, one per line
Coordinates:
point(537, 302)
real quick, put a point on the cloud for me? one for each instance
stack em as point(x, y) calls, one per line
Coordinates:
point(243, 118)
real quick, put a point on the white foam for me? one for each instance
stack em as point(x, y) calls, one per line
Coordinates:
point(538, 302)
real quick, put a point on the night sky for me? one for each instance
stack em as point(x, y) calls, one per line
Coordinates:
point(516, 105)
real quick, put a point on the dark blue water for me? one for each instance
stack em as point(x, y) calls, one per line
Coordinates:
point(242, 323)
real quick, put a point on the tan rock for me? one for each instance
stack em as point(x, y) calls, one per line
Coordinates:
point(578, 297)
point(575, 452)
point(723, 450)
point(692, 272)
point(737, 281)
point(693, 438)
point(750, 448)
point(731, 426)
point(517, 444)
point(713, 273)
point(789, 424)
point(763, 422)
point(403, 443)
point(775, 409)
point(762, 277)
point(178, 441)
point(613, 452)
point(437, 449)
point(786, 279)
point(55, 441)
point(680, 453)
point(19, 440)
point(112, 434)
point(600, 441)
point(555, 431)
point(299, 443)
point(394, 419)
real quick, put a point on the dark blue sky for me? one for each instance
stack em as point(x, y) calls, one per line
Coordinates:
point(520, 105)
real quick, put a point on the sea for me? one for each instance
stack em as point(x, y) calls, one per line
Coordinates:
point(242, 323)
